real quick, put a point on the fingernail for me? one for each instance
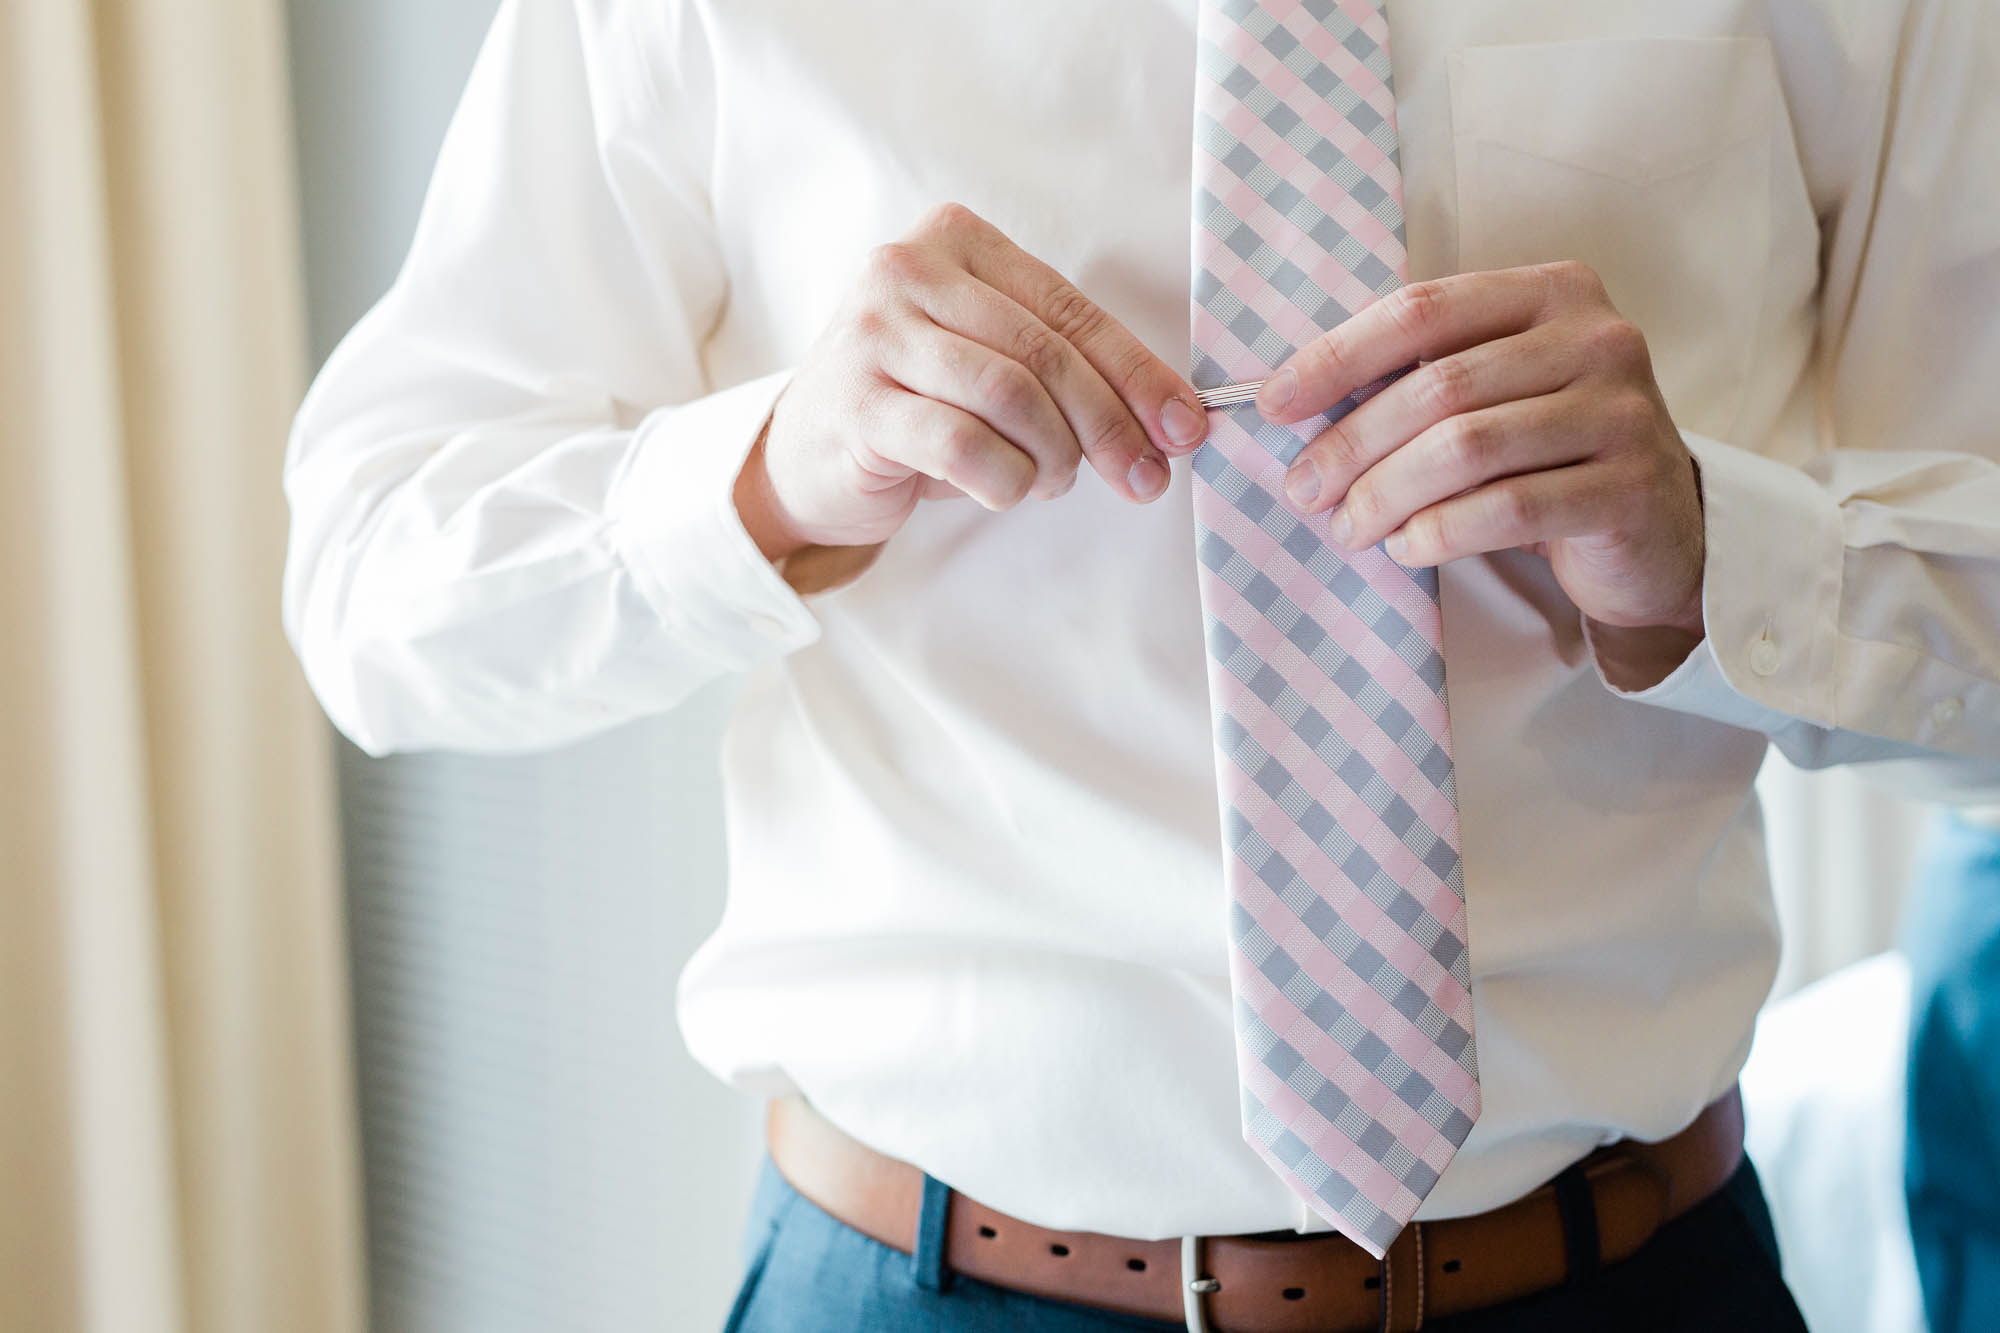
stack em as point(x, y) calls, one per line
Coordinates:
point(1397, 545)
point(1182, 423)
point(1340, 527)
point(1302, 483)
point(1148, 477)
point(1278, 390)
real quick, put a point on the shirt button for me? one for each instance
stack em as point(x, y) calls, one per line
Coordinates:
point(1945, 712)
point(1764, 655)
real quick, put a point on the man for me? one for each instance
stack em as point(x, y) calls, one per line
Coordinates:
point(718, 314)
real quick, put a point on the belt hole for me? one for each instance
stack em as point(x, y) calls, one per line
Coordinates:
point(988, 1232)
point(1451, 1265)
point(1059, 1251)
point(1371, 1283)
point(1295, 1293)
point(1136, 1265)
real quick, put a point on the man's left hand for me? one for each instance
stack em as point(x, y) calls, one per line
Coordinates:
point(1532, 420)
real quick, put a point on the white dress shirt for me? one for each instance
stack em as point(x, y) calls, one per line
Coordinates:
point(976, 900)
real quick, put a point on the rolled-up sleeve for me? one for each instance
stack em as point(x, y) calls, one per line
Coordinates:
point(511, 486)
point(1852, 603)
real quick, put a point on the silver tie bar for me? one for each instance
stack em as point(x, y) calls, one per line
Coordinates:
point(1229, 395)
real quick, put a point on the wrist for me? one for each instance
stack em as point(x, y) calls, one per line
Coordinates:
point(1691, 620)
point(1690, 624)
point(757, 506)
point(1638, 657)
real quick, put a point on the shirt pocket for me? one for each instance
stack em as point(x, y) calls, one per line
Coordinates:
point(1651, 160)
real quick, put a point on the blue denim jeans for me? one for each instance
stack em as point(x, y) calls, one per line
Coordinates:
point(1714, 1268)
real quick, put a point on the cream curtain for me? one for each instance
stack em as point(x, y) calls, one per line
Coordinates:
point(177, 1148)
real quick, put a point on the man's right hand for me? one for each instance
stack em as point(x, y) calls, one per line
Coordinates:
point(959, 364)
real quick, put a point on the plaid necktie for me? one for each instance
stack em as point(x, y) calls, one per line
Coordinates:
point(1353, 1008)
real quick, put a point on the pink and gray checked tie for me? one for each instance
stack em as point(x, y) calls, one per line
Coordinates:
point(1354, 1042)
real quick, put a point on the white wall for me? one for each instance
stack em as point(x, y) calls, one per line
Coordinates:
point(540, 1151)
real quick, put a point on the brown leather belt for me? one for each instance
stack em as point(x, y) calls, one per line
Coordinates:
point(1321, 1283)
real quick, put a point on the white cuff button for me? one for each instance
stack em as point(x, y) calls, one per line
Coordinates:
point(1946, 712)
point(1764, 655)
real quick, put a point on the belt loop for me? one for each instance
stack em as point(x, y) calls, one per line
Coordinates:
point(1423, 1273)
point(1195, 1285)
point(1579, 1222)
point(1403, 1281)
point(927, 1257)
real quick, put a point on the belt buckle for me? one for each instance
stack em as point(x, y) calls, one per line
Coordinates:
point(1195, 1284)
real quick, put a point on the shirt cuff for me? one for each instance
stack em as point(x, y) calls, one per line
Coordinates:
point(674, 521)
point(1770, 598)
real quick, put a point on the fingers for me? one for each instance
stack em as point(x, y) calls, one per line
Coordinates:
point(1458, 454)
point(1515, 511)
point(1097, 422)
point(951, 368)
point(1523, 366)
point(1425, 321)
point(931, 488)
point(953, 446)
point(1144, 383)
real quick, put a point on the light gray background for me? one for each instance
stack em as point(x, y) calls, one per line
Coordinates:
point(540, 1151)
